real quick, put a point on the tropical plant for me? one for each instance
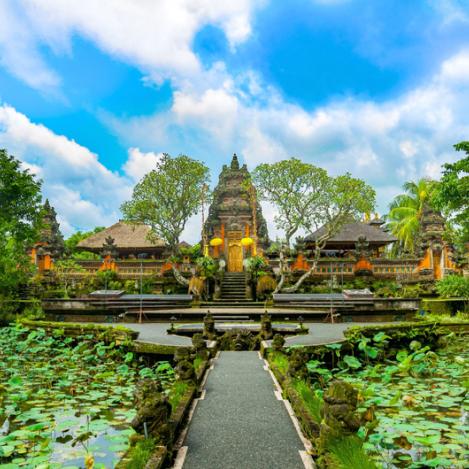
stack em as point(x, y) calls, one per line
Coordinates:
point(255, 265)
point(453, 286)
point(166, 198)
point(307, 198)
point(207, 266)
point(452, 195)
point(63, 268)
point(20, 218)
point(405, 211)
point(71, 244)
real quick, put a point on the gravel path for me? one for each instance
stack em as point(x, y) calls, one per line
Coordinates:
point(240, 423)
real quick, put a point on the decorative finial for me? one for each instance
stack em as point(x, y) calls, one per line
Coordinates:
point(234, 162)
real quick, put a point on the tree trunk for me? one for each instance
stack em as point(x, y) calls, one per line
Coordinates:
point(320, 243)
point(179, 277)
point(279, 286)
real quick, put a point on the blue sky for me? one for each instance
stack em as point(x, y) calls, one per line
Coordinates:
point(91, 93)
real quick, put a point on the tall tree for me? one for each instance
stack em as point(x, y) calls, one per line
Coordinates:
point(71, 244)
point(167, 197)
point(307, 198)
point(452, 194)
point(405, 211)
point(20, 217)
point(20, 199)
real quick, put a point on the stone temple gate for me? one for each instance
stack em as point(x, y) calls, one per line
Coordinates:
point(235, 228)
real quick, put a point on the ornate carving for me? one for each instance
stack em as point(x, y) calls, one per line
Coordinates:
point(153, 408)
point(51, 239)
point(231, 204)
point(109, 247)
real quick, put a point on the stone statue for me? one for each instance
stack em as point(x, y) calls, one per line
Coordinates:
point(278, 342)
point(339, 416)
point(297, 363)
point(153, 408)
point(184, 365)
point(209, 326)
point(266, 326)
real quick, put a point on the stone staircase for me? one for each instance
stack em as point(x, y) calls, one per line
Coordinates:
point(233, 292)
point(233, 286)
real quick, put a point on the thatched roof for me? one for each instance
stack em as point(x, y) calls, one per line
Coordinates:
point(350, 233)
point(125, 235)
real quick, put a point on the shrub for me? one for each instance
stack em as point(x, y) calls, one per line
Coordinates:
point(453, 286)
point(265, 284)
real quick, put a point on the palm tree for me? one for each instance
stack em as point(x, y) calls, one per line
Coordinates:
point(405, 211)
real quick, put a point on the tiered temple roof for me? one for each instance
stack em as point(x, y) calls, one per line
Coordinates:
point(232, 205)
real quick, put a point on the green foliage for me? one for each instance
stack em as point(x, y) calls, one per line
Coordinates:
point(107, 278)
point(307, 197)
point(177, 392)
point(452, 195)
point(16, 267)
point(72, 242)
point(406, 211)
point(20, 218)
point(140, 454)
point(453, 286)
point(417, 402)
point(20, 200)
point(319, 373)
point(207, 266)
point(352, 362)
point(168, 196)
point(193, 252)
point(255, 265)
point(62, 269)
point(348, 453)
point(280, 360)
point(313, 402)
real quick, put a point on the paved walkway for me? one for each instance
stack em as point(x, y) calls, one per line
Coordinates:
point(319, 333)
point(240, 423)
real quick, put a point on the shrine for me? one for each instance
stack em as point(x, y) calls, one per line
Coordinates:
point(235, 228)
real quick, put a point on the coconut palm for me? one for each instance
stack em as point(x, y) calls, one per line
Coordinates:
point(405, 211)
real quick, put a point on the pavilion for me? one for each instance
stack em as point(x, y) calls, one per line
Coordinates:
point(126, 240)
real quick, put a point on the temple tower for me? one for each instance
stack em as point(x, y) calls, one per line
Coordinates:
point(50, 246)
point(235, 227)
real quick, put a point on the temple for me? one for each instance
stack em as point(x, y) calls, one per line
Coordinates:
point(235, 228)
point(50, 245)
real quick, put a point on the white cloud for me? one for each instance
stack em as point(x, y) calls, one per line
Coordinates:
point(155, 36)
point(83, 190)
point(19, 53)
point(138, 164)
point(385, 143)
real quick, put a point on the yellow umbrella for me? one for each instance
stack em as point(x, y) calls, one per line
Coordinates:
point(216, 242)
point(247, 242)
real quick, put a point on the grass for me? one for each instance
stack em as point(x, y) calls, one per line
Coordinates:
point(311, 401)
point(198, 363)
point(178, 389)
point(280, 360)
point(348, 453)
point(140, 454)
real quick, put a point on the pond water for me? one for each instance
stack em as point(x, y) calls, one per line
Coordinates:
point(62, 400)
point(421, 407)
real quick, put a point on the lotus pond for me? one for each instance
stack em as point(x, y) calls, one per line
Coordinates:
point(64, 402)
point(417, 408)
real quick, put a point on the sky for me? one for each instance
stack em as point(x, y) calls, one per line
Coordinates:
point(92, 93)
